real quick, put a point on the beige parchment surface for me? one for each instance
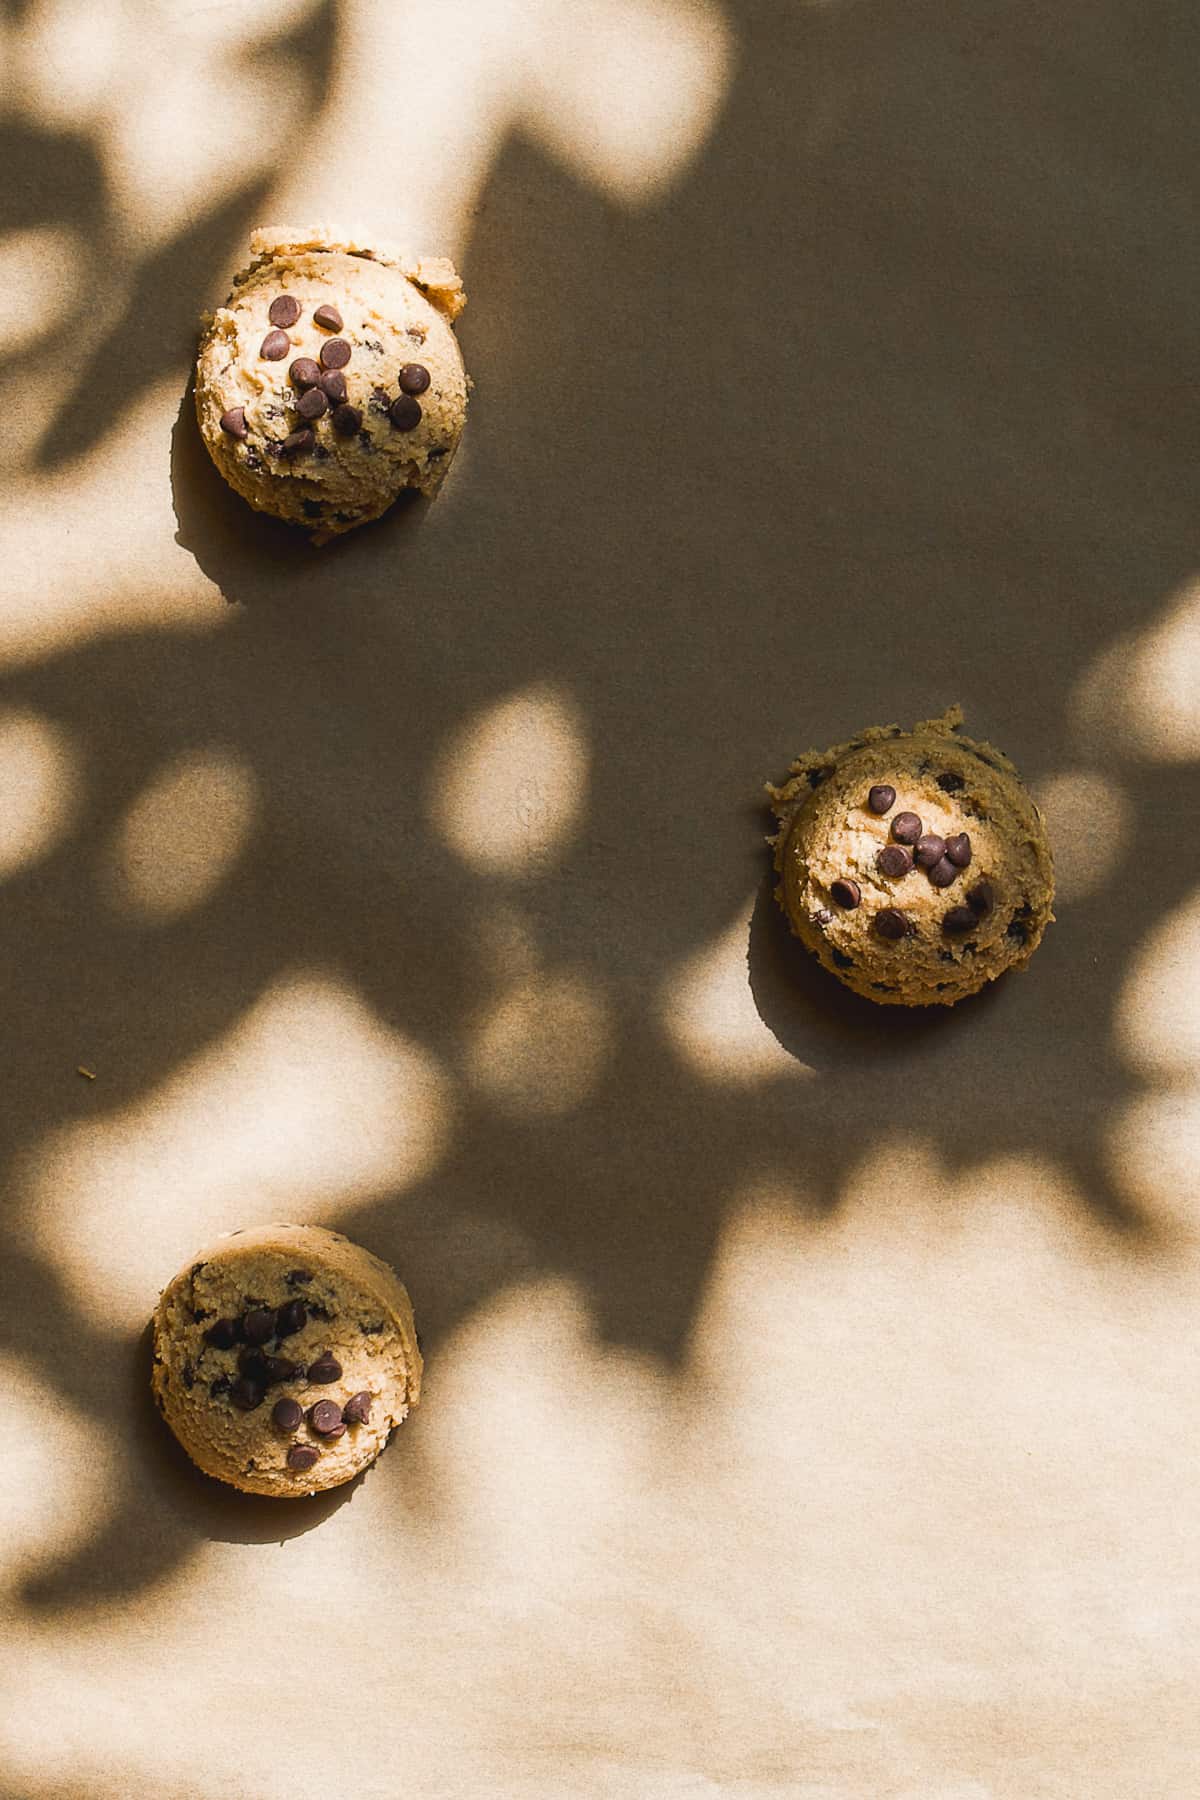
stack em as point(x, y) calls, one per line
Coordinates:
point(811, 1404)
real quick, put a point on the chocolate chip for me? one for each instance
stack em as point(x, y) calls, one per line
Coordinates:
point(223, 1335)
point(891, 924)
point(894, 860)
point(1017, 929)
point(950, 783)
point(246, 1394)
point(413, 378)
point(290, 1318)
point(846, 893)
point(335, 354)
point(304, 373)
point(930, 849)
point(943, 873)
point(298, 1277)
point(357, 1409)
point(313, 404)
point(284, 310)
point(981, 899)
point(958, 920)
point(280, 1368)
point(253, 1364)
point(302, 1456)
point(221, 1385)
point(817, 776)
point(841, 959)
point(405, 413)
point(259, 1325)
point(234, 422)
point(881, 798)
point(326, 1418)
point(328, 318)
point(298, 443)
point(906, 828)
point(189, 1376)
point(326, 1368)
point(287, 1414)
point(333, 384)
point(275, 346)
point(958, 849)
point(372, 1330)
point(347, 420)
point(823, 916)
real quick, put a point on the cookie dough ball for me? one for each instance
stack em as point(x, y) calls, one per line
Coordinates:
point(913, 863)
point(331, 380)
point(283, 1356)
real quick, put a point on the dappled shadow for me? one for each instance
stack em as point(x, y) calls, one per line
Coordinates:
point(844, 430)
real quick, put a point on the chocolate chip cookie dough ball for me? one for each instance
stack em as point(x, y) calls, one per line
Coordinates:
point(913, 864)
point(331, 380)
point(283, 1356)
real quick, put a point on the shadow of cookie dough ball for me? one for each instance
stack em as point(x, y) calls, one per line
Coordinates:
point(283, 1357)
point(913, 864)
point(331, 380)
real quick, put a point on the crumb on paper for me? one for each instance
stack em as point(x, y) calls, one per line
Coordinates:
point(88, 1074)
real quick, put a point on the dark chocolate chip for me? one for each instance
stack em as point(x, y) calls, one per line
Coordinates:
point(405, 413)
point(275, 346)
point(981, 899)
point(943, 873)
point(189, 1376)
point(253, 1364)
point(891, 924)
point(1017, 929)
point(298, 1277)
point(200, 1313)
point(894, 860)
point(823, 916)
point(223, 1335)
point(357, 1409)
point(280, 1368)
point(326, 1418)
point(304, 373)
point(284, 310)
point(817, 776)
point(950, 782)
point(841, 959)
point(220, 1385)
point(906, 828)
point(373, 1329)
point(259, 1325)
point(958, 920)
point(335, 354)
point(347, 420)
point(246, 1394)
point(328, 318)
point(379, 401)
point(413, 378)
point(234, 422)
point(846, 893)
point(326, 1368)
point(930, 849)
point(287, 1414)
point(290, 1318)
point(958, 849)
point(881, 798)
point(438, 450)
point(313, 403)
point(302, 1456)
point(333, 384)
point(297, 443)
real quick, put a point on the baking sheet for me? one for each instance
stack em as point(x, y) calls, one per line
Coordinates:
point(811, 1402)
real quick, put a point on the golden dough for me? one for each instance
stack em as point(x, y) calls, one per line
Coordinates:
point(951, 939)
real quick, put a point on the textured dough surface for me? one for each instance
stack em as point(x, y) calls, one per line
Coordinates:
point(395, 310)
point(357, 1310)
point(954, 784)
